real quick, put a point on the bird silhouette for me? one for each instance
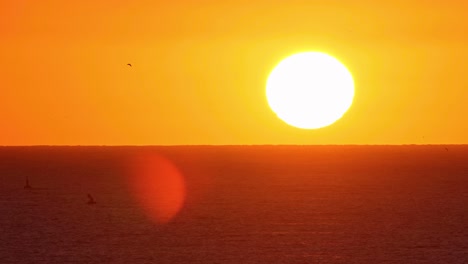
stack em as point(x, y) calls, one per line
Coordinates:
point(91, 199)
point(129, 64)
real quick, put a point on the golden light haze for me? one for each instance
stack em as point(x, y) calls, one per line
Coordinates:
point(199, 70)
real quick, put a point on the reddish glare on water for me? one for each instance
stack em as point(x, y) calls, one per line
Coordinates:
point(158, 187)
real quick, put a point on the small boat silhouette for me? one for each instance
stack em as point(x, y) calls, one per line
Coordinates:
point(91, 199)
point(27, 186)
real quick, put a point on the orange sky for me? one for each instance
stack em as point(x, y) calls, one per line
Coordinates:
point(199, 70)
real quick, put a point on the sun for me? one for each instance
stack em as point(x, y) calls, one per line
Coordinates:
point(310, 90)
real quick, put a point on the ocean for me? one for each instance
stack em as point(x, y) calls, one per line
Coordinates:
point(234, 204)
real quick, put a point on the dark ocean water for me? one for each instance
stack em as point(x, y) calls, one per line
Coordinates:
point(264, 204)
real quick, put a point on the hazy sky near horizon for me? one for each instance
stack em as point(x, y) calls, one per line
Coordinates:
point(199, 70)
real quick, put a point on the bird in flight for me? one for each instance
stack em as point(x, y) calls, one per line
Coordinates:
point(129, 64)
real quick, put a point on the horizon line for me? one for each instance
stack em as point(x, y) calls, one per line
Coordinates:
point(241, 145)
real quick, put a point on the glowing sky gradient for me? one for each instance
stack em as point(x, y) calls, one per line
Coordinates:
point(199, 70)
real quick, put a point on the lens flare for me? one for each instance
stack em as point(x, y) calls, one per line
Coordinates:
point(158, 186)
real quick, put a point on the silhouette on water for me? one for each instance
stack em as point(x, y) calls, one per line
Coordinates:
point(27, 186)
point(91, 199)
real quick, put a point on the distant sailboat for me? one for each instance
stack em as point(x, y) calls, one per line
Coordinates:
point(91, 199)
point(27, 186)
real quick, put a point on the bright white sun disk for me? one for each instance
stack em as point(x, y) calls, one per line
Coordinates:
point(310, 90)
